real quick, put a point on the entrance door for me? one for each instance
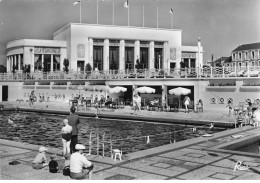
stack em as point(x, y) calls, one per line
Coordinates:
point(4, 93)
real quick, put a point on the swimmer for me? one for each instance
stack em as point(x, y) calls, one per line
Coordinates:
point(10, 121)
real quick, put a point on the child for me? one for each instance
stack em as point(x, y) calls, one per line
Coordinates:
point(53, 164)
point(230, 107)
point(239, 120)
point(40, 161)
point(66, 170)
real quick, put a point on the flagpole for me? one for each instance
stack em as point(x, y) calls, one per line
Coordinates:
point(171, 20)
point(128, 14)
point(143, 15)
point(157, 17)
point(113, 20)
point(80, 11)
point(97, 11)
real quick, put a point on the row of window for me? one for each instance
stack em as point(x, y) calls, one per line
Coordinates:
point(246, 55)
point(240, 64)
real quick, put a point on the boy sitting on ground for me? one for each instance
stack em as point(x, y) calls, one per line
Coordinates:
point(40, 160)
point(66, 170)
point(53, 164)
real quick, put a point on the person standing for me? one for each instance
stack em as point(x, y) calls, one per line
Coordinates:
point(66, 136)
point(80, 166)
point(31, 99)
point(74, 122)
point(137, 103)
point(186, 102)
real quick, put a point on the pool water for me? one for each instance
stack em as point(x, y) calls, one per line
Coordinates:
point(252, 148)
point(129, 136)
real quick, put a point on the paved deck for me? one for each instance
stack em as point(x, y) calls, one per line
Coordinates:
point(192, 159)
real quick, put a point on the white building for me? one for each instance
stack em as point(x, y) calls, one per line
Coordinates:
point(104, 47)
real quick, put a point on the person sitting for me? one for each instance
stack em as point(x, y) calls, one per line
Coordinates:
point(66, 169)
point(40, 160)
point(53, 164)
point(108, 101)
point(239, 120)
point(80, 166)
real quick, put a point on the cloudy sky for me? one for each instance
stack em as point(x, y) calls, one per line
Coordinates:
point(221, 24)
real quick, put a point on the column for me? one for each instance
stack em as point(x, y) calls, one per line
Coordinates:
point(91, 50)
point(19, 62)
point(122, 55)
point(106, 55)
point(11, 63)
point(15, 61)
point(7, 64)
point(42, 61)
point(51, 62)
point(137, 52)
point(189, 63)
point(151, 55)
point(165, 57)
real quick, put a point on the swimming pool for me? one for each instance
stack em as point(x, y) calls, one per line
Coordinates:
point(129, 136)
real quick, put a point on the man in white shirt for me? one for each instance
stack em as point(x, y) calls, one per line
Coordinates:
point(80, 167)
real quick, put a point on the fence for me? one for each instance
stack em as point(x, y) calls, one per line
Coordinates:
point(205, 72)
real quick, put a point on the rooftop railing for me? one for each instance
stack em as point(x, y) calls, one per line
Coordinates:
point(206, 72)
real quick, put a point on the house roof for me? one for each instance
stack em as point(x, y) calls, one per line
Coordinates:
point(251, 46)
point(221, 59)
point(228, 60)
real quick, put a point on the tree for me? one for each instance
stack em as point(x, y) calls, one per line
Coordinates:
point(66, 63)
point(2, 69)
point(88, 68)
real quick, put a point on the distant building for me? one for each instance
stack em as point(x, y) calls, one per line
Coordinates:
point(219, 62)
point(104, 47)
point(246, 55)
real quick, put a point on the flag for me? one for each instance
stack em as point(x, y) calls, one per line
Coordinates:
point(126, 4)
point(75, 3)
point(171, 10)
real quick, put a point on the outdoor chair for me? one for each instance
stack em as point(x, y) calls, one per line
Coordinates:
point(173, 104)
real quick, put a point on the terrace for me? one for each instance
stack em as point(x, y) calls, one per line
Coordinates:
point(205, 72)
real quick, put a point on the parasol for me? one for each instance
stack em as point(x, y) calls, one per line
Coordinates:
point(179, 91)
point(145, 89)
point(117, 89)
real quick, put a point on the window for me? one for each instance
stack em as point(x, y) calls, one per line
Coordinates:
point(234, 56)
point(253, 63)
point(246, 56)
point(240, 56)
point(252, 55)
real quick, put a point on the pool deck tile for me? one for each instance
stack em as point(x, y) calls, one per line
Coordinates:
point(222, 176)
point(196, 174)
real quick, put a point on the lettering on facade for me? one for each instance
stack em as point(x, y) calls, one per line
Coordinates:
point(81, 51)
point(188, 55)
point(173, 53)
point(47, 50)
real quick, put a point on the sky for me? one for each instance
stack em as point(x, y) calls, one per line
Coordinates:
point(222, 25)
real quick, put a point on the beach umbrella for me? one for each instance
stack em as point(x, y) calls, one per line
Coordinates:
point(145, 89)
point(80, 87)
point(179, 91)
point(117, 89)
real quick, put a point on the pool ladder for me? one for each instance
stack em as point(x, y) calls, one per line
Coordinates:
point(100, 141)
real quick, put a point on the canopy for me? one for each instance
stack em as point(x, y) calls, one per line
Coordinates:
point(179, 91)
point(97, 87)
point(145, 89)
point(117, 89)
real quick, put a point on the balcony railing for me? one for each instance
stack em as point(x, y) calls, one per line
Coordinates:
point(207, 72)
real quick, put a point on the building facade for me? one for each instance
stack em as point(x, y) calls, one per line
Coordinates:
point(104, 47)
point(245, 55)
